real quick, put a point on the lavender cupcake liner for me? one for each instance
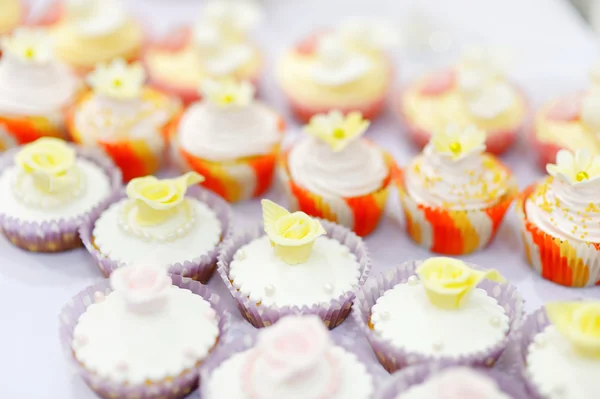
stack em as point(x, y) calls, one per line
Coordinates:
point(402, 381)
point(200, 268)
point(168, 389)
point(332, 313)
point(56, 235)
point(393, 358)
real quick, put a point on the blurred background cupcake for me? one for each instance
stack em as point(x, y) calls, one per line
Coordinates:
point(12, 13)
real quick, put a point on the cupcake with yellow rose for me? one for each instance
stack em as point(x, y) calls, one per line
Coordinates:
point(229, 138)
point(559, 350)
point(439, 310)
point(475, 92)
point(560, 219)
point(293, 264)
point(11, 14)
point(335, 174)
point(217, 47)
point(181, 225)
point(35, 89)
point(346, 68)
point(124, 118)
point(48, 187)
point(454, 194)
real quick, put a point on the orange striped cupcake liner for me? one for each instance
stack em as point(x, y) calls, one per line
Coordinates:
point(572, 264)
point(452, 232)
point(23, 130)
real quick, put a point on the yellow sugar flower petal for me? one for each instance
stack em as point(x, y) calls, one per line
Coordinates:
point(579, 323)
point(336, 129)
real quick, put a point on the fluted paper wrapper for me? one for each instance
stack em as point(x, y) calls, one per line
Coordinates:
point(393, 358)
point(200, 268)
point(332, 313)
point(56, 235)
point(172, 389)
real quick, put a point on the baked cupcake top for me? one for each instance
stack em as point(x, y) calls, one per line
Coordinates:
point(334, 160)
point(566, 204)
point(11, 13)
point(443, 297)
point(32, 81)
point(293, 359)
point(48, 181)
point(228, 123)
point(563, 361)
point(294, 264)
point(454, 172)
point(146, 330)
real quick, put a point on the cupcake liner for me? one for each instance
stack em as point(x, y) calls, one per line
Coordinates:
point(416, 375)
point(200, 268)
point(452, 232)
point(26, 129)
point(171, 389)
point(568, 263)
point(360, 214)
point(55, 235)
point(332, 313)
point(393, 358)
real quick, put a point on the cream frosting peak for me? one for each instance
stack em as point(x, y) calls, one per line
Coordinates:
point(336, 65)
point(95, 17)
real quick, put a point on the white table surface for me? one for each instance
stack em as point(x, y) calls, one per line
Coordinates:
point(554, 49)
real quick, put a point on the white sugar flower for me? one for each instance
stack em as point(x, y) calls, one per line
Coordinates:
point(232, 16)
point(118, 79)
point(95, 17)
point(29, 45)
point(227, 92)
point(337, 65)
point(458, 142)
point(371, 34)
point(575, 168)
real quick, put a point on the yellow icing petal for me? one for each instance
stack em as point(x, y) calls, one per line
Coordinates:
point(578, 322)
point(336, 129)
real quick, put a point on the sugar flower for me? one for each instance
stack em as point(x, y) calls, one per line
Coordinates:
point(578, 322)
point(336, 129)
point(576, 168)
point(457, 142)
point(118, 79)
point(227, 93)
point(29, 45)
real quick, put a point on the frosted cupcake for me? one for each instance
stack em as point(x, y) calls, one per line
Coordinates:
point(560, 219)
point(475, 92)
point(293, 359)
point(446, 295)
point(570, 122)
point(560, 351)
point(335, 174)
point(300, 266)
point(11, 14)
point(133, 335)
point(124, 118)
point(47, 188)
point(229, 138)
point(454, 194)
point(95, 31)
point(344, 69)
point(35, 89)
point(217, 47)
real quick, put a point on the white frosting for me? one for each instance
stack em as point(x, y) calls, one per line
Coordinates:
point(259, 274)
point(218, 56)
point(96, 187)
point(558, 371)
point(122, 345)
point(224, 134)
point(129, 248)
point(358, 169)
point(335, 65)
point(96, 17)
point(406, 318)
point(492, 101)
point(355, 383)
point(590, 109)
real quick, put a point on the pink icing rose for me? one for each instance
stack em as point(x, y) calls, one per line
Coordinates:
point(144, 286)
point(438, 83)
point(462, 383)
point(566, 110)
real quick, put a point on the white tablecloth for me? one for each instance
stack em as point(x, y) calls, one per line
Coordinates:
point(554, 49)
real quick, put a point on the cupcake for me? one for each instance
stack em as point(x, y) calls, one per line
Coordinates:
point(48, 187)
point(446, 313)
point(124, 118)
point(95, 31)
point(454, 194)
point(293, 359)
point(475, 92)
point(217, 47)
point(11, 14)
point(560, 219)
point(335, 174)
point(133, 336)
point(35, 89)
point(570, 122)
point(300, 266)
point(229, 138)
point(560, 351)
point(182, 230)
point(344, 69)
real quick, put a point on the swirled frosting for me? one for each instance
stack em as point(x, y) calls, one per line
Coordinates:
point(10, 14)
point(356, 170)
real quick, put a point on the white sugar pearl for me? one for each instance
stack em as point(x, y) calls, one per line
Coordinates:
point(385, 315)
point(495, 321)
point(438, 346)
point(98, 296)
point(328, 288)
point(413, 280)
point(269, 289)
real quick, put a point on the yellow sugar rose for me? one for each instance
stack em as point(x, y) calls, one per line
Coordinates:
point(336, 129)
point(292, 234)
point(157, 198)
point(448, 282)
point(579, 322)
